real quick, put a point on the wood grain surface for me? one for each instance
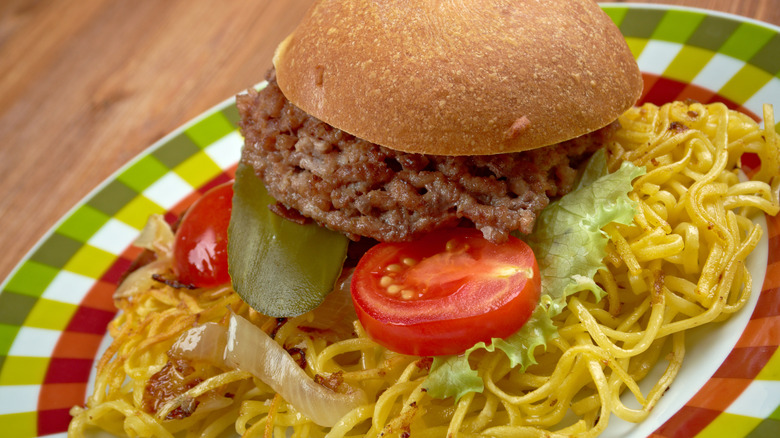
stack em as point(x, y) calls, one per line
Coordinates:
point(87, 85)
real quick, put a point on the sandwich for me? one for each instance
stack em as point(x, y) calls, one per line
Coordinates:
point(390, 121)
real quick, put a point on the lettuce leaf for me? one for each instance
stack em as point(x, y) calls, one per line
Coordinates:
point(567, 238)
point(570, 248)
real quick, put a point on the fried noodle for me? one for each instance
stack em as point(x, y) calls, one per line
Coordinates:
point(679, 265)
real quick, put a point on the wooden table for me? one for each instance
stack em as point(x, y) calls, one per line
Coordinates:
point(87, 85)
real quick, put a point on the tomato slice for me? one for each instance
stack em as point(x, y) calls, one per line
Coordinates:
point(444, 293)
point(200, 248)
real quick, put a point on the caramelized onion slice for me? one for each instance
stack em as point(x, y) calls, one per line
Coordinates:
point(243, 346)
point(336, 313)
point(205, 343)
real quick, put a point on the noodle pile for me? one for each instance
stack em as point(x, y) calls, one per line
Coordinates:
point(679, 265)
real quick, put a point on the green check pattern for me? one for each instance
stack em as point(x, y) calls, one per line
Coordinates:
point(735, 59)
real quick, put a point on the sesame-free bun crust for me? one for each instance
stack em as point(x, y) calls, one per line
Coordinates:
point(459, 77)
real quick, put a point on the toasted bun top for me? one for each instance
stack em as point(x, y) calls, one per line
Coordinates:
point(459, 77)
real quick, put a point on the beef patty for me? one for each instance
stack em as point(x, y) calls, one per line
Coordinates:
point(363, 189)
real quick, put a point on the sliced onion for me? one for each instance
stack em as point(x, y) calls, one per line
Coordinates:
point(247, 348)
point(336, 313)
point(141, 280)
point(251, 349)
point(156, 236)
point(204, 343)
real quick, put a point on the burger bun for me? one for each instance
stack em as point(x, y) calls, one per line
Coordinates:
point(459, 77)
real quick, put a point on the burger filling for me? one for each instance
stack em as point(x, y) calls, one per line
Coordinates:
point(362, 189)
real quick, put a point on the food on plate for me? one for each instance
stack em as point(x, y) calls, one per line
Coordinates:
point(678, 264)
point(646, 241)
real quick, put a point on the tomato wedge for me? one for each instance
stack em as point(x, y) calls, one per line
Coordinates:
point(444, 293)
point(200, 248)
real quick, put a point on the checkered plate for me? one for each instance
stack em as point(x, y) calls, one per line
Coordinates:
point(55, 305)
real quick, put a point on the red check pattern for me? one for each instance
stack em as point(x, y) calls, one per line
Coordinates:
point(751, 354)
point(756, 346)
point(660, 90)
point(65, 384)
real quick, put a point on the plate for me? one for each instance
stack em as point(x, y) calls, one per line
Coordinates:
point(55, 305)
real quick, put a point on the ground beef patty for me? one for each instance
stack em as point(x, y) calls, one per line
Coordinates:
point(363, 189)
